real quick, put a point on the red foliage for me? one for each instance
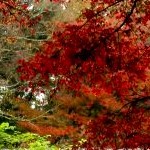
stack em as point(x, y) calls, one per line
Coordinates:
point(46, 130)
point(108, 51)
point(122, 130)
point(17, 11)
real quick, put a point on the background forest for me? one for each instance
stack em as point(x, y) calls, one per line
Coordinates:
point(74, 74)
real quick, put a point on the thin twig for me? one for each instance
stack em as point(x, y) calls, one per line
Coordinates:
point(134, 102)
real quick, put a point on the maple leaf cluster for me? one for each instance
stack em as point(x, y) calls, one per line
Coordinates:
point(97, 51)
point(105, 50)
point(119, 130)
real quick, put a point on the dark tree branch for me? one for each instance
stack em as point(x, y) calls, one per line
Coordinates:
point(99, 12)
point(134, 102)
point(127, 16)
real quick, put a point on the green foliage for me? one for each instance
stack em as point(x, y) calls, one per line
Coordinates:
point(39, 144)
point(13, 139)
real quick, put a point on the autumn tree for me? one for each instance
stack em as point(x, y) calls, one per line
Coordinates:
point(21, 39)
point(104, 52)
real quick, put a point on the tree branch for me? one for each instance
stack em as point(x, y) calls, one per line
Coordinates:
point(99, 12)
point(134, 102)
point(127, 16)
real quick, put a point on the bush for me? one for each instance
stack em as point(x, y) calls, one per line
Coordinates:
point(13, 139)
